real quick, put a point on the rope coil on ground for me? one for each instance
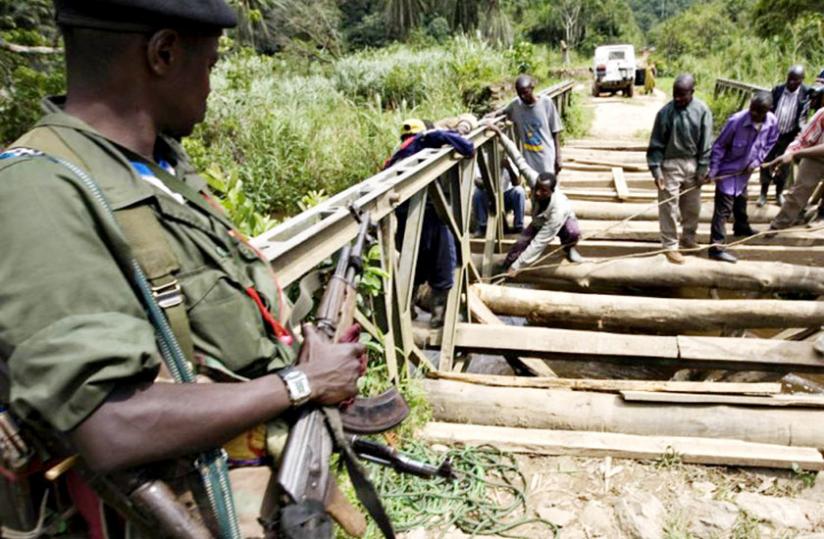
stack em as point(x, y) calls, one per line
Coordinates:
point(487, 498)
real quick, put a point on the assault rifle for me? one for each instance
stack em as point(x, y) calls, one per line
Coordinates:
point(304, 478)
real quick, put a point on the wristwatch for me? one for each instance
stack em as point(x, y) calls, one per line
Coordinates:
point(297, 385)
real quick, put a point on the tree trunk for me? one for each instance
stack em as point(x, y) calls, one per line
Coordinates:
point(659, 315)
point(657, 272)
point(574, 410)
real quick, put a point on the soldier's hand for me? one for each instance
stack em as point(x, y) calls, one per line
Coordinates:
point(332, 369)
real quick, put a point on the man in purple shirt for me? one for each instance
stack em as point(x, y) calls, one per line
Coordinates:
point(742, 146)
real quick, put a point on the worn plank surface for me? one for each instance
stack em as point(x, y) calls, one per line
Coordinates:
point(620, 183)
point(802, 400)
point(610, 386)
point(688, 352)
point(691, 450)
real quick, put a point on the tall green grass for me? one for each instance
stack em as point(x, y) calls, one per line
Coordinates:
point(284, 129)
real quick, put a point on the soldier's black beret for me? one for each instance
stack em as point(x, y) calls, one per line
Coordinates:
point(145, 15)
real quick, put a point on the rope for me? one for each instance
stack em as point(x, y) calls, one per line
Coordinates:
point(501, 277)
point(487, 498)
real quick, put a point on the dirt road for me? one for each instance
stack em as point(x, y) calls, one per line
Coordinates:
point(619, 118)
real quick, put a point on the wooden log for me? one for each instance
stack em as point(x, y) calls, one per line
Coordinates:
point(649, 231)
point(660, 315)
point(599, 144)
point(690, 450)
point(610, 386)
point(600, 249)
point(799, 401)
point(587, 210)
point(647, 196)
point(681, 351)
point(657, 272)
point(455, 402)
point(481, 313)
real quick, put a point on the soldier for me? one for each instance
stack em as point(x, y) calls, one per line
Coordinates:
point(80, 353)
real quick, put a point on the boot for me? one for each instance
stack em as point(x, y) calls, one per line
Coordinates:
point(762, 201)
point(438, 308)
point(779, 198)
point(723, 256)
point(675, 257)
point(573, 255)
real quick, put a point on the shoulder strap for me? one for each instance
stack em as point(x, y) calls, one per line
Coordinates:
point(145, 236)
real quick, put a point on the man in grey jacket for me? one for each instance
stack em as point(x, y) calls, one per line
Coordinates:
point(679, 159)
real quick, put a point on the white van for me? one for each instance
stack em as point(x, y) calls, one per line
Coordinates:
point(614, 69)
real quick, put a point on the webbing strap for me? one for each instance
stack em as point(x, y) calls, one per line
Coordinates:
point(152, 251)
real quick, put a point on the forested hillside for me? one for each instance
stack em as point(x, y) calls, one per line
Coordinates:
point(334, 77)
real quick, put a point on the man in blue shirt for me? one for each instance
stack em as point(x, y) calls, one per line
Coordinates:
point(437, 255)
point(740, 149)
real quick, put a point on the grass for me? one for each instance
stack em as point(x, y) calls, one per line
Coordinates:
point(282, 129)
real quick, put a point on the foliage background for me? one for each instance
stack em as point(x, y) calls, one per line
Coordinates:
point(309, 92)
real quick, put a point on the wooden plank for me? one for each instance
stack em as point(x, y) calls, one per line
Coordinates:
point(620, 183)
point(686, 352)
point(769, 351)
point(800, 400)
point(457, 402)
point(482, 313)
point(611, 386)
point(690, 450)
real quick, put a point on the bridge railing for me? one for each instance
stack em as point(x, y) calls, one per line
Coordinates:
point(742, 90)
point(298, 245)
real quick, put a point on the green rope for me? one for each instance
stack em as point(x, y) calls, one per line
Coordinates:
point(487, 498)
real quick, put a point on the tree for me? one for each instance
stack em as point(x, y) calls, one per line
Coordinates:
point(403, 15)
point(775, 17)
point(497, 28)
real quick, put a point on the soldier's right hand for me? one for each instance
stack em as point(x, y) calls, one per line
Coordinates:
point(332, 369)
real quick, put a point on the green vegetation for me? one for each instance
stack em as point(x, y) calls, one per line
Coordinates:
point(283, 130)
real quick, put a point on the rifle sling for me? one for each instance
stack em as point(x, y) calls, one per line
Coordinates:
point(364, 488)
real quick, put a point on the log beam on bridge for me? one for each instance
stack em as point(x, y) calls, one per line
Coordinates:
point(601, 249)
point(639, 313)
point(618, 211)
point(457, 402)
point(656, 272)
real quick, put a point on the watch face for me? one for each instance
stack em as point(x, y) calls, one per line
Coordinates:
point(298, 385)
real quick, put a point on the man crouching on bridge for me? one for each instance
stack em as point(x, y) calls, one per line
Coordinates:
point(552, 215)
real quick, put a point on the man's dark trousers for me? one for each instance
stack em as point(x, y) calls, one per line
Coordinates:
point(783, 171)
point(726, 205)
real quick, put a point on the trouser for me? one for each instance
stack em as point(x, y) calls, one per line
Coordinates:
point(437, 254)
point(780, 176)
point(569, 234)
point(514, 201)
point(726, 205)
point(679, 175)
point(810, 172)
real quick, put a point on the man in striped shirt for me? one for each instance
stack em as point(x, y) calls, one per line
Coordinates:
point(790, 107)
point(808, 151)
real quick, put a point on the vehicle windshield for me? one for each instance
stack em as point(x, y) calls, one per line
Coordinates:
point(617, 55)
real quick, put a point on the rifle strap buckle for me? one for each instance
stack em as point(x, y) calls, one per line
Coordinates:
point(168, 295)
